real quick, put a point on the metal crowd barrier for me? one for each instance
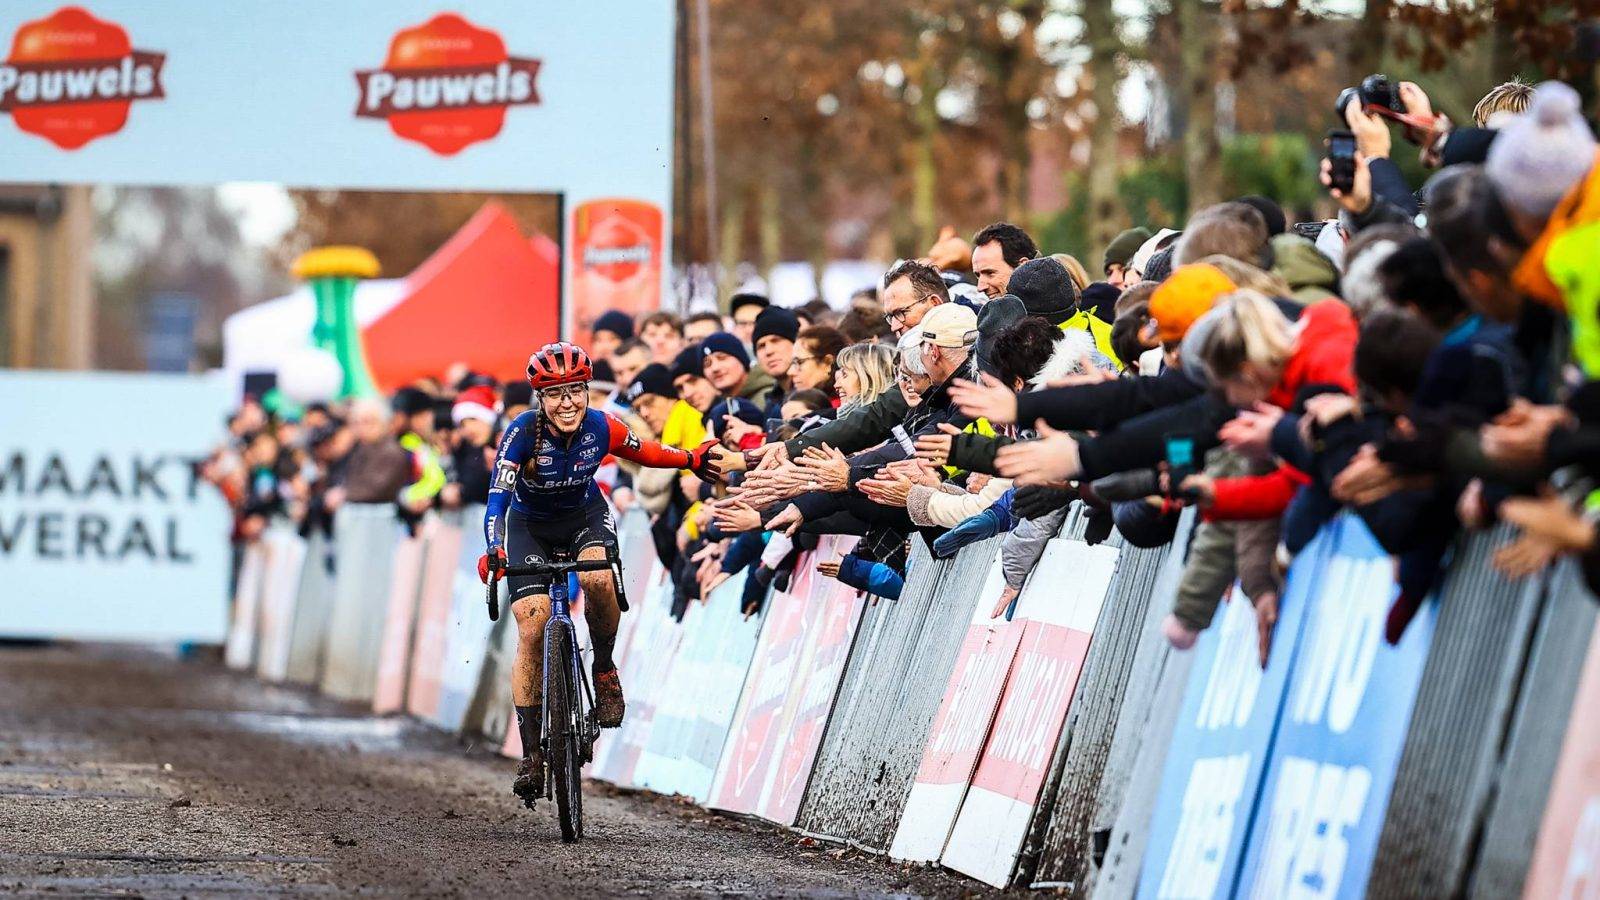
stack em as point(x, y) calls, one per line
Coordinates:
point(1067, 747)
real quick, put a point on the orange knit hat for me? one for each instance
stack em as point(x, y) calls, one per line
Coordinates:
point(1187, 294)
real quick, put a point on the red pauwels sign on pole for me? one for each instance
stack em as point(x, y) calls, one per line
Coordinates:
point(71, 77)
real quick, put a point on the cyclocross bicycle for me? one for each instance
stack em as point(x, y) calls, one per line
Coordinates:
point(570, 727)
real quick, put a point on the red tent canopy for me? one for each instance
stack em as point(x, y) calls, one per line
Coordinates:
point(487, 298)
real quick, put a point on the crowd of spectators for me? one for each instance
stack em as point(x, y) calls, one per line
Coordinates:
point(1427, 360)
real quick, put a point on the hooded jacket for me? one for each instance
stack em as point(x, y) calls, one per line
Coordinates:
point(1310, 275)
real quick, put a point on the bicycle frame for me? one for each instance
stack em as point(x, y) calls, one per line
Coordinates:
point(561, 617)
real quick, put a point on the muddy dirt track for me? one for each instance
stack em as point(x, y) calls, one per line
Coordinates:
point(129, 773)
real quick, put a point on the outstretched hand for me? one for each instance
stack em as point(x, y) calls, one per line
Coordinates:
point(985, 399)
point(1052, 457)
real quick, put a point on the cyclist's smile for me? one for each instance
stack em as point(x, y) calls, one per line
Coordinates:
point(565, 406)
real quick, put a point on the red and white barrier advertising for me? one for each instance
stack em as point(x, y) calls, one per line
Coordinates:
point(788, 692)
point(1566, 859)
point(1057, 611)
point(959, 728)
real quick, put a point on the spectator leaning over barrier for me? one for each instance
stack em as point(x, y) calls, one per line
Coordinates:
point(379, 467)
point(662, 332)
point(1047, 290)
point(631, 356)
point(726, 364)
point(653, 398)
point(815, 361)
point(774, 338)
point(863, 373)
point(413, 421)
point(609, 331)
point(997, 250)
point(475, 413)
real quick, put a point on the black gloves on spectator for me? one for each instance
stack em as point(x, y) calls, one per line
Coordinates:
point(1034, 501)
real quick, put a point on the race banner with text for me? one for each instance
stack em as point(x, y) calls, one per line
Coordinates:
point(107, 531)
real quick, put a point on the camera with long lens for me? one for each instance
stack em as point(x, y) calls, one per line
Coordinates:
point(1374, 91)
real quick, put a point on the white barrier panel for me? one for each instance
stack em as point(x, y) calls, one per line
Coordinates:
point(366, 536)
point(956, 738)
point(108, 505)
point(466, 640)
point(280, 585)
point(789, 691)
point(430, 637)
point(647, 646)
point(312, 605)
point(695, 703)
point(1057, 611)
point(394, 649)
point(240, 649)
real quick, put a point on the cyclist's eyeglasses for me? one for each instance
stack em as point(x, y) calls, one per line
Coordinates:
point(899, 315)
point(564, 392)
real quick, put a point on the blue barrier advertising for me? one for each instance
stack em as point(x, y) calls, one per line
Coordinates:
point(1339, 739)
point(1220, 744)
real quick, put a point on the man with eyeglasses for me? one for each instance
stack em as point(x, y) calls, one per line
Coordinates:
point(543, 498)
point(910, 290)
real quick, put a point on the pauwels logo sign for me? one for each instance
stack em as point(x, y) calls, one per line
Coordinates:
point(72, 77)
point(446, 84)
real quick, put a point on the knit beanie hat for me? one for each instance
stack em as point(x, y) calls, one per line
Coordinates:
point(775, 320)
point(723, 342)
point(1543, 154)
point(517, 393)
point(1045, 289)
point(475, 403)
point(410, 401)
point(615, 321)
point(1159, 266)
point(1184, 297)
point(1123, 246)
point(745, 298)
point(652, 379)
point(602, 377)
point(687, 362)
point(994, 317)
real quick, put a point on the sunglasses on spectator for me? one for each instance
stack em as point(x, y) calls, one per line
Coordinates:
point(564, 392)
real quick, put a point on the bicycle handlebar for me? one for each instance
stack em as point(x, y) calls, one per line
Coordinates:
point(560, 567)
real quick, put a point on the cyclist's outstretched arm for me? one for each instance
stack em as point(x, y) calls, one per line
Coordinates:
point(516, 445)
point(627, 445)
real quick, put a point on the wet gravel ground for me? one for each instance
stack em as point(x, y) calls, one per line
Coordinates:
point(128, 772)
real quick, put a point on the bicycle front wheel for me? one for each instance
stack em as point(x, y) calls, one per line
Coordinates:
point(566, 729)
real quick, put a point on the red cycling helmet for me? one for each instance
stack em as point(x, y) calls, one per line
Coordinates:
point(558, 363)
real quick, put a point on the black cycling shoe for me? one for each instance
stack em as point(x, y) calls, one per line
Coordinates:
point(529, 783)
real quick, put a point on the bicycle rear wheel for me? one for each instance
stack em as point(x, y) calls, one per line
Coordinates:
point(566, 729)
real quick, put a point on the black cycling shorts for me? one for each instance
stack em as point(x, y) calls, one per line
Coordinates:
point(530, 541)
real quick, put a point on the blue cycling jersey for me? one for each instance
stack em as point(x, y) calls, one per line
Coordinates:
point(545, 476)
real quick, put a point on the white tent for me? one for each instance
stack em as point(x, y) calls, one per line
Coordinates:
point(257, 338)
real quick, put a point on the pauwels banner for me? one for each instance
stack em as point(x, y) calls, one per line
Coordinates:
point(106, 530)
